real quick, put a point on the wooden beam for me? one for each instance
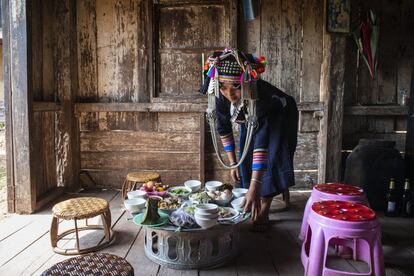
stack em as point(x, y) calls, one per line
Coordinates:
point(7, 105)
point(332, 93)
point(202, 149)
point(46, 106)
point(20, 104)
point(378, 110)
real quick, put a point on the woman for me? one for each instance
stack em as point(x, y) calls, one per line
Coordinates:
point(268, 168)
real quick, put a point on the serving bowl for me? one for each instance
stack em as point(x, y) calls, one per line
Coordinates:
point(238, 203)
point(193, 185)
point(136, 194)
point(213, 185)
point(205, 223)
point(134, 205)
point(239, 192)
point(207, 208)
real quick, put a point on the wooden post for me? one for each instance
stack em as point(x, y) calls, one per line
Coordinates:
point(332, 94)
point(202, 175)
point(7, 104)
point(21, 184)
point(65, 59)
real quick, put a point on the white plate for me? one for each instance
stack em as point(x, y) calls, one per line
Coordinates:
point(234, 212)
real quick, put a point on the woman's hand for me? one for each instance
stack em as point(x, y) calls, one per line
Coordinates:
point(235, 175)
point(252, 200)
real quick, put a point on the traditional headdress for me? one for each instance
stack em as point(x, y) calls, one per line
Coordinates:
point(232, 65)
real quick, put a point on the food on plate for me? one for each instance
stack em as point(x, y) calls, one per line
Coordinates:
point(151, 215)
point(220, 195)
point(169, 203)
point(226, 186)
point(179, 191)
point(152, 186)
point(201, 197)
point(227, 213)
point(190, 209)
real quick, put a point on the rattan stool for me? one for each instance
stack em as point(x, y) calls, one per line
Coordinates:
point(92, 264)
point(77, 209)
point(133, 179)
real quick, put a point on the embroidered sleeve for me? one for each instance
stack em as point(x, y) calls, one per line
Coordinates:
point(228, 142)
point(259, 159)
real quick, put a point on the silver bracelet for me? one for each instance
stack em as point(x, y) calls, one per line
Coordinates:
point(256, 180)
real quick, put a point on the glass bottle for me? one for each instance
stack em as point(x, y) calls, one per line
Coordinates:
point(392, 205)
point(407, 200)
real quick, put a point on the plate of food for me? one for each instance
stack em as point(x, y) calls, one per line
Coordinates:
point(221, 198)
point(161, 220)
point(227, 213)
point(154, 189)
point(180, 191)
point(201, 197)
point(169, 204)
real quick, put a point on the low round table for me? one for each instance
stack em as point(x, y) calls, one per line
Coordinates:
point(191, 249)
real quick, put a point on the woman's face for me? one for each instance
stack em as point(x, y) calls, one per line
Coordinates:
point(231, 90)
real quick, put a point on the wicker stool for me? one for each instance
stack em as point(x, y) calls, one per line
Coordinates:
point(134, 179)
point(92, 264)
point(76, 209)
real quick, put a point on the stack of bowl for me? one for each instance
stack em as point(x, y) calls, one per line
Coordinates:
point(206, 215)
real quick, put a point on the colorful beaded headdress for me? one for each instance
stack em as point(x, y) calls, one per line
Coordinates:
point(232, 65)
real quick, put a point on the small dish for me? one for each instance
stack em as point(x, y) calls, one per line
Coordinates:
point(239, 192)
point(238, 203)
point(193, 185)
point(205, 223)
point(213, 185)
point(136, 194)
point(163, 219)
point(207, 208)
point(134, 205)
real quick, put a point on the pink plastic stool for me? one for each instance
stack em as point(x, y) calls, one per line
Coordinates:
point(331, 191)
point(342, 223)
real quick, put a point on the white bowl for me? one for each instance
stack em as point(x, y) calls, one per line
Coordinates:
point(136, 194)
point(207, 208)
point(193, 185)
point(238, 204)
point(206, 215)
point(135, 205)
point(205, 223)
point(239, 192)
point(213, 185)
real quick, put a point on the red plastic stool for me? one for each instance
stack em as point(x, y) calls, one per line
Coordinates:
point(342, 223)
point(331, 191)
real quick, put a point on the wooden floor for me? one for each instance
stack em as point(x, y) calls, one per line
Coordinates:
point(25, 244)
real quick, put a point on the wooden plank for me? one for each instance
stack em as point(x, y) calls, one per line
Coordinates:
point(376, 110)
point(312, 22)
point(37, 44)
point(48, 46)
point(140, 107)
point(87, 54)
point(114, 179)
point(380, 124)
point(202, 149)
point(271, 40)
point(332, 91)
point(137, 141)
point(291, 47)
point(308, 122)
point(144, 55)
point(179, 121)
point(7, 73)
point(21, 105)
point(39, 152)
point(164, 271)
point(388, 50)
point(116, 50)
point(49, 153)
point(46, 106)
point(143, 160)
point(306, 155)
point(103, 121)
point(249, 38)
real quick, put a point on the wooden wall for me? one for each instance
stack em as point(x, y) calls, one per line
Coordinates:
point(371, 105)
